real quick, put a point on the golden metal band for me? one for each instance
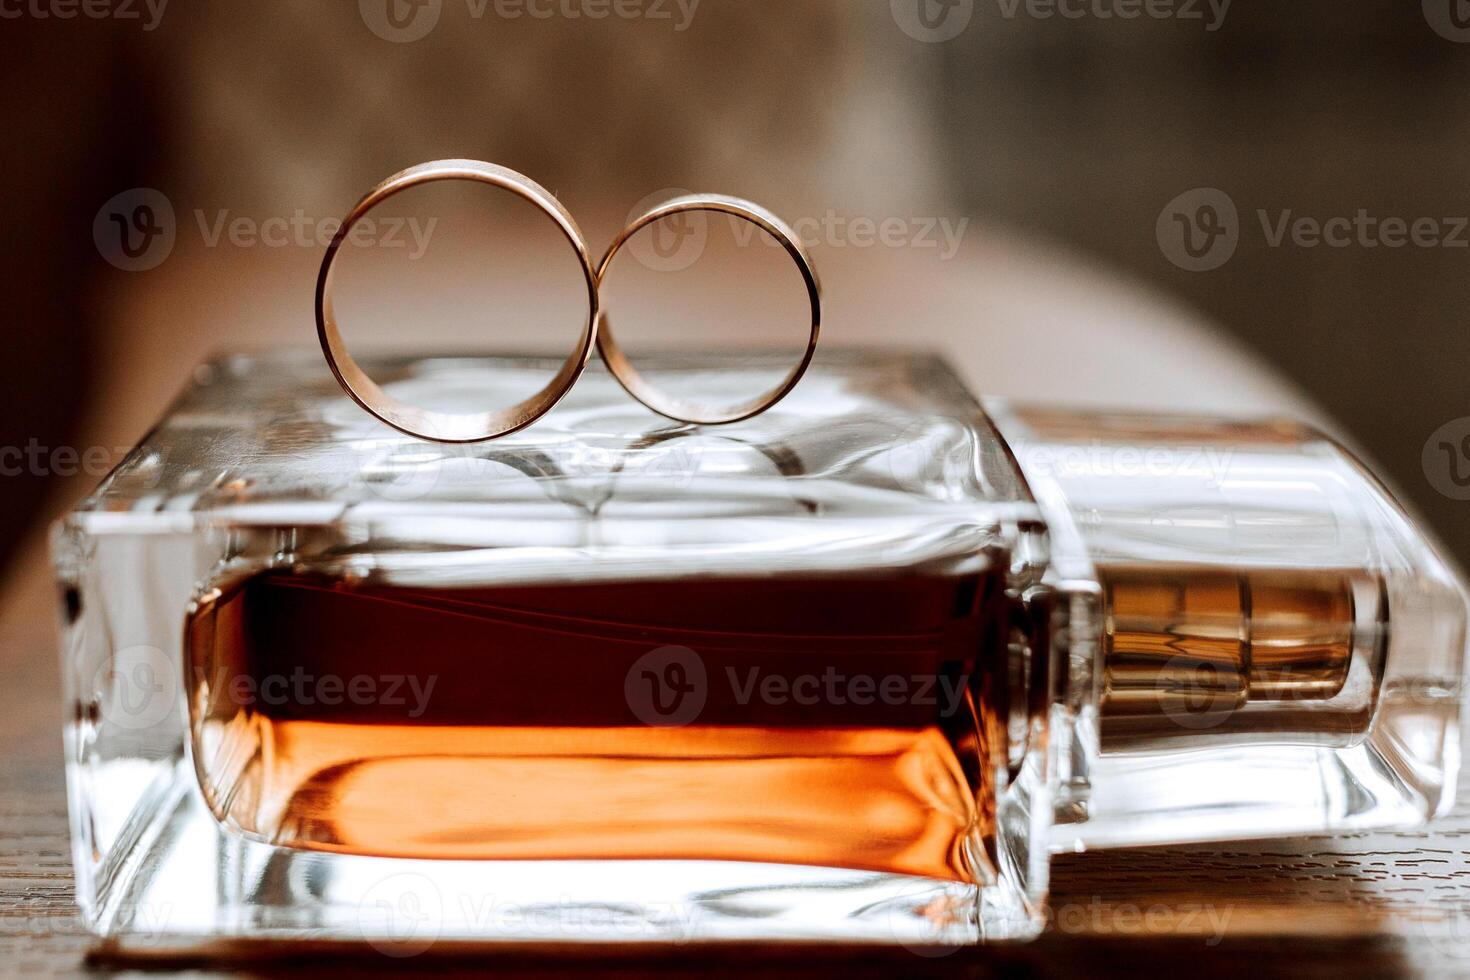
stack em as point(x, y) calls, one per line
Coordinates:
point(443, 426)
point(479, 426)
point(628, 376)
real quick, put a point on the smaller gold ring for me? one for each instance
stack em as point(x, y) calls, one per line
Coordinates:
point(446, 426)
point(681, 411)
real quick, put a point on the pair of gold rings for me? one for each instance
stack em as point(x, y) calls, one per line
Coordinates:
point(479, 426)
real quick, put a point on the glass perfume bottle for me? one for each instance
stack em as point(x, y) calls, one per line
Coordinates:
point(846, 671)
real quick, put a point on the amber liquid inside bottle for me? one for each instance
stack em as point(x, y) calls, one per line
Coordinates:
point(851, 722)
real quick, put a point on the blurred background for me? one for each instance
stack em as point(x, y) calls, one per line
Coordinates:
point(1088, 201)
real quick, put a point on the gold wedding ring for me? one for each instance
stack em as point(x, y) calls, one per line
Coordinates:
point(635, 384)
point(479, 426)
point(444, 426)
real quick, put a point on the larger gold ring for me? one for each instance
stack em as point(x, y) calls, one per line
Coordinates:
point(444, 426)
point(681, 411)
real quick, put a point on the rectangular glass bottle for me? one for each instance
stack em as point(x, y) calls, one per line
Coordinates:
point(845, 671)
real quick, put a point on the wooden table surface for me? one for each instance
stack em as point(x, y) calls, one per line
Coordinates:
point(1366, 905)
